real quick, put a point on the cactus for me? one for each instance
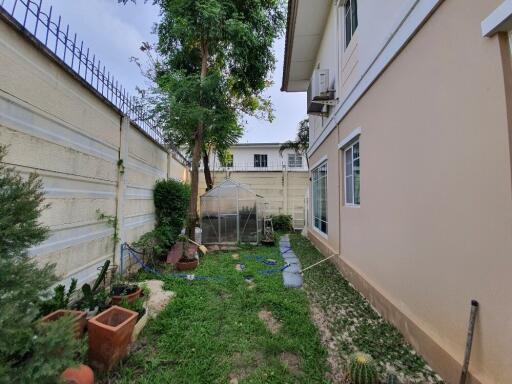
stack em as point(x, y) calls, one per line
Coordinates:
point(362, 369)
point(392, 379)
point(101, 276)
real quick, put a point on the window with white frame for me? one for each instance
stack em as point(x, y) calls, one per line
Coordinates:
point(294, 160)
point(260, 161)
point(352, 174)
point(319, 197)
point(350, 19)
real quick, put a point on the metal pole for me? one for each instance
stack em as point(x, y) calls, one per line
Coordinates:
point(469, 342)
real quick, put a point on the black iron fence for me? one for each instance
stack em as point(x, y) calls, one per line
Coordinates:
point(47, 29)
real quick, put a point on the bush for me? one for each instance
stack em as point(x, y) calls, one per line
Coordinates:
point(283, 223)
point(29, 351)
point(171, 199)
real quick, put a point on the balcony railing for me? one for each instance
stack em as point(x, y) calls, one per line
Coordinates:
point(249, 167)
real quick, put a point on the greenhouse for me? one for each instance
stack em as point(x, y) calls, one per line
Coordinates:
point(231, 213)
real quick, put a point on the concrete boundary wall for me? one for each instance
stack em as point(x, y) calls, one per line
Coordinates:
point(89, 157)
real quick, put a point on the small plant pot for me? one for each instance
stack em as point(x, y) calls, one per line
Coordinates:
point(110, 335)
point(130, 298)
point(186, 265)
point(79, 318)
point(82, 374)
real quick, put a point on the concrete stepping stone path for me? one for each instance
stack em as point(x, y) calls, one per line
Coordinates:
point(291, 275)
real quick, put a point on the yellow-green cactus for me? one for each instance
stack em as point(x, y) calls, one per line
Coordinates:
point(362, 369)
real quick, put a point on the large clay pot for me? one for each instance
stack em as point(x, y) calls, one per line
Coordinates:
point(130, 298)
point(186, 265)
point(79, 318)
point(110, 335)
point(78, 375)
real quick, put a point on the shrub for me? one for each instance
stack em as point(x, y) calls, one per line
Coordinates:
point(29, 351)
point(171, 204)
point(282, 223)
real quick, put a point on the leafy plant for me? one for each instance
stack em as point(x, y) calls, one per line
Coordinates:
point(301, 144)
point(110, 220)
point(29, 351)
point(362, 369)
point(282, 223)
point(60, 299)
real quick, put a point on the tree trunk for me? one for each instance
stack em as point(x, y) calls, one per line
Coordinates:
point(207, 173)
point(192, 218)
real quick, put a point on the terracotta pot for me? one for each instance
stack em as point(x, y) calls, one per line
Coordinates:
point(176, 252)
point(116, 299)
point(186, 265)
point(110, 335)
point(79, 375)
point(79, 319)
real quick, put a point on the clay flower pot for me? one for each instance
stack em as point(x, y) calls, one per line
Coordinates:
point(110, 335)
point(130, 297)
point(186, 265)
point(79, 375)
point(79, 319)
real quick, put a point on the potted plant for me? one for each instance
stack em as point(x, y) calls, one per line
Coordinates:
point(110, 335)
point(188, 259)
point(124, 291)
point(139, 306)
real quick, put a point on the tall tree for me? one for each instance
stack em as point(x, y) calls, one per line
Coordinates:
point(301, 143)
point(216, 55)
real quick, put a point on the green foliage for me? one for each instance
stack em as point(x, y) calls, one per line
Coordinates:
point(301, 144)
point(171, 199)
point(29, 352)
point(60, 299)
point(101, 276)
point(110, 220)
point(136, 305)
point(282, 223)
point(92, 299)
point(362, 369)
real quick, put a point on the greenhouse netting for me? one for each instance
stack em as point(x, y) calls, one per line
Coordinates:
point(231, 213)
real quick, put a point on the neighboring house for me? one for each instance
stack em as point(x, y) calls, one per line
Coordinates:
point(410, 105)
point(281, 179)
point(259, 157)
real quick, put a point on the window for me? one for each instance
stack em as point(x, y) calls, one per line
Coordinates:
point(227, 161)
point(319, 194)
point(350, 20)
point(260, 161)
point(294, 160)
point(352, 174)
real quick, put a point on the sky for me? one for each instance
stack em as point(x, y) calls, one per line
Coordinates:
point(115, 32)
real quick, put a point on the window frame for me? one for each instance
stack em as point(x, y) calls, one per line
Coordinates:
point(313, 198)
point(294, 163)
point(350, 11)
point(258, 160)
point(350, 147)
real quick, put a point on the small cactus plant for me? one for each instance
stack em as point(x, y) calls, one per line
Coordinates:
point(392, 379)
point(362, 369)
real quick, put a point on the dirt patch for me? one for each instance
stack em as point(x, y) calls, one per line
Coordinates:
point(292, 362)
point(244, 365)
point(273, 325)
point(336, 375)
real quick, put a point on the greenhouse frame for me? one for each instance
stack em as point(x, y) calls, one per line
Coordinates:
point(231, 213)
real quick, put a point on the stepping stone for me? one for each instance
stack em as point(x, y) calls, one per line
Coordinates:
point(292, 280)
point(235, 256)
point(292, 259)
point(293, 268)
point(240, 267)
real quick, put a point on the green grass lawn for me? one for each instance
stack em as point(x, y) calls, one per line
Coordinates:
point(211, 332)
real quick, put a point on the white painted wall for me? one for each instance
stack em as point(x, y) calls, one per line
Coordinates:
point(243, 158)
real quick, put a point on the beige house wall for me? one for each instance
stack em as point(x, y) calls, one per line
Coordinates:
point(284, 192)
point(434, 229)
point(57, 127)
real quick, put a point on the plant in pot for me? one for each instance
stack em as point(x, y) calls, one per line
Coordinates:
point(94, 299)
point(124, 291)
point(188, 259)
point(57, 307)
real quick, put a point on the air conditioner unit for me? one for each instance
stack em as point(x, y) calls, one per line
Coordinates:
point(319, 92)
